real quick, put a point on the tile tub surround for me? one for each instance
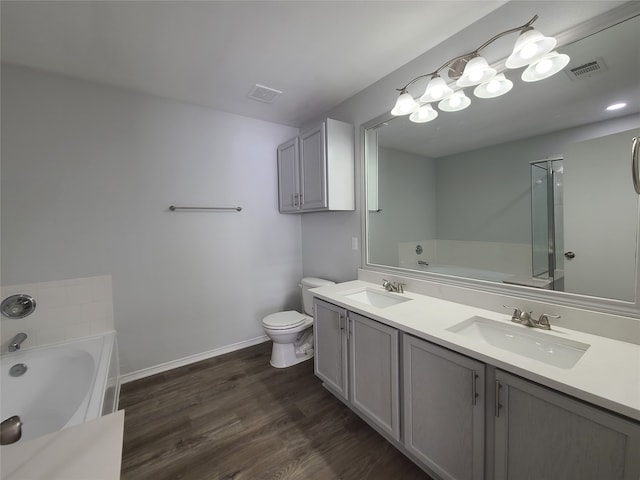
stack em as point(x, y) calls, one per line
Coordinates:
point(607, 375)
point(65, 309)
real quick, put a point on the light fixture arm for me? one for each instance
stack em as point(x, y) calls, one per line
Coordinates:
point(524, 27)
point(471, 54)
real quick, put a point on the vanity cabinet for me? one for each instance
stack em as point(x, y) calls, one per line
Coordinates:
point(542, 434)
point(330, 346)
point(374, 372)
point(444, 409)
point(357, 358)
point(316, 169)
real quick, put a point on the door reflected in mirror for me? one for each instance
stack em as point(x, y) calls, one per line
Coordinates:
point(533, 191)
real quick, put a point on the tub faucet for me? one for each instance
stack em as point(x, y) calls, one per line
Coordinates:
point(10, 430)
point(17, 341)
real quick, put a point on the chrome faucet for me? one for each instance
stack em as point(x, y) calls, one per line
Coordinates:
point(525, 318)
point(10, 430)
point(543, 321)
point(393, 287)
point(17, 341)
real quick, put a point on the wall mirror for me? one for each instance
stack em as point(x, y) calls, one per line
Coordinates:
point(531, 191)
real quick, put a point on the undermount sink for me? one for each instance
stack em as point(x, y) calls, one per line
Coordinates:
point(559, 352)
point(375, 298)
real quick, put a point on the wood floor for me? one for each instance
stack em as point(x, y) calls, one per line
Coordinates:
point(236, 417)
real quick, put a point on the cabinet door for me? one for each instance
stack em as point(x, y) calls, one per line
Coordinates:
point(313, 169)
point(444, 409)
point(288, 177)
point(373, 379)
point(330, 345)
point(544, 435)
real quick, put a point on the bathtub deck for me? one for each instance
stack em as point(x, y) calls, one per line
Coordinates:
point(236, 417)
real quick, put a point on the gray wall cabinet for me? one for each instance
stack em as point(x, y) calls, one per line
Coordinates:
point(316, 169)
point(541, 434)
point(288, 176)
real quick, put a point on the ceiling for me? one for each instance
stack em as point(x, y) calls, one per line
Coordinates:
point(211, 53)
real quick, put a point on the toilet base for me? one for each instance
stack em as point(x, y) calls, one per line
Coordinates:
point(284, 355)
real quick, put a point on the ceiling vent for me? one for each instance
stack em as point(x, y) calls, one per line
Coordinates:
point(264, 94)
point(587, 70)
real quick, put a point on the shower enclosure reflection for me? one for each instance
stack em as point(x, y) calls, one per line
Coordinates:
point(547, 231)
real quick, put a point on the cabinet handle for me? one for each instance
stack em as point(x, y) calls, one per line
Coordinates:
point(300, 200)
point(498, 405)
point(635, 147)
point(348, 321)
point(474, 391)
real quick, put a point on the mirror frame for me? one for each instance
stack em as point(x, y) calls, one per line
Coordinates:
point(599, 304)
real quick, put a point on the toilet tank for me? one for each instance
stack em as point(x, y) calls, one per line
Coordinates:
point(307, 298)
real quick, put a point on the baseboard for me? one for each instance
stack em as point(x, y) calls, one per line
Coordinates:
point(181, 362)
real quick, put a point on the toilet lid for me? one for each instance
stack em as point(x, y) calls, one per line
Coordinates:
point(288, 319)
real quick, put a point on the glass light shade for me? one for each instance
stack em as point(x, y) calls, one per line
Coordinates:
point(424, 114)
point(548, 65)
point(437, 89)
point(498, 85)
point(477, 71)
point(454, 103)
point(404, 105)
point(530, 47)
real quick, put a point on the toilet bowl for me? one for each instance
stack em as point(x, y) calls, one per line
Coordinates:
point(292, 331)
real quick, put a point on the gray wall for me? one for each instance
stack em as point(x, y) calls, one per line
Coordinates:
point(87, 175)
point(487, 193)
point(407, 199)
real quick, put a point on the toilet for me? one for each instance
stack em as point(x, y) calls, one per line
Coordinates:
point(291, 331)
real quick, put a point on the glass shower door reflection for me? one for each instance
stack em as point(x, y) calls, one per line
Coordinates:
point(539, 221)
point(547, 221)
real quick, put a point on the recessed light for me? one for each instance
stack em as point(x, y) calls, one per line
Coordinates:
point(616, 106)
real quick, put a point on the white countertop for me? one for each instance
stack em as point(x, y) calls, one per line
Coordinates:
point(607, 375)
point(91, 450)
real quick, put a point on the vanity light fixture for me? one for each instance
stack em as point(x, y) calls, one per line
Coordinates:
point(454, 103)
point(530, 46)
point(424, 114)
point(475, 72)
point(532, 49)
point(498, 85)
point(405, 104)
point(437, 89)
point(546, 66)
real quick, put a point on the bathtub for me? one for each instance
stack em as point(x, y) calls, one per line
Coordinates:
point(65, 384)
point(466, 272)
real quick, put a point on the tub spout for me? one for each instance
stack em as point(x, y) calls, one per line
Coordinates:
point(17, 341)
point(10, 430)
